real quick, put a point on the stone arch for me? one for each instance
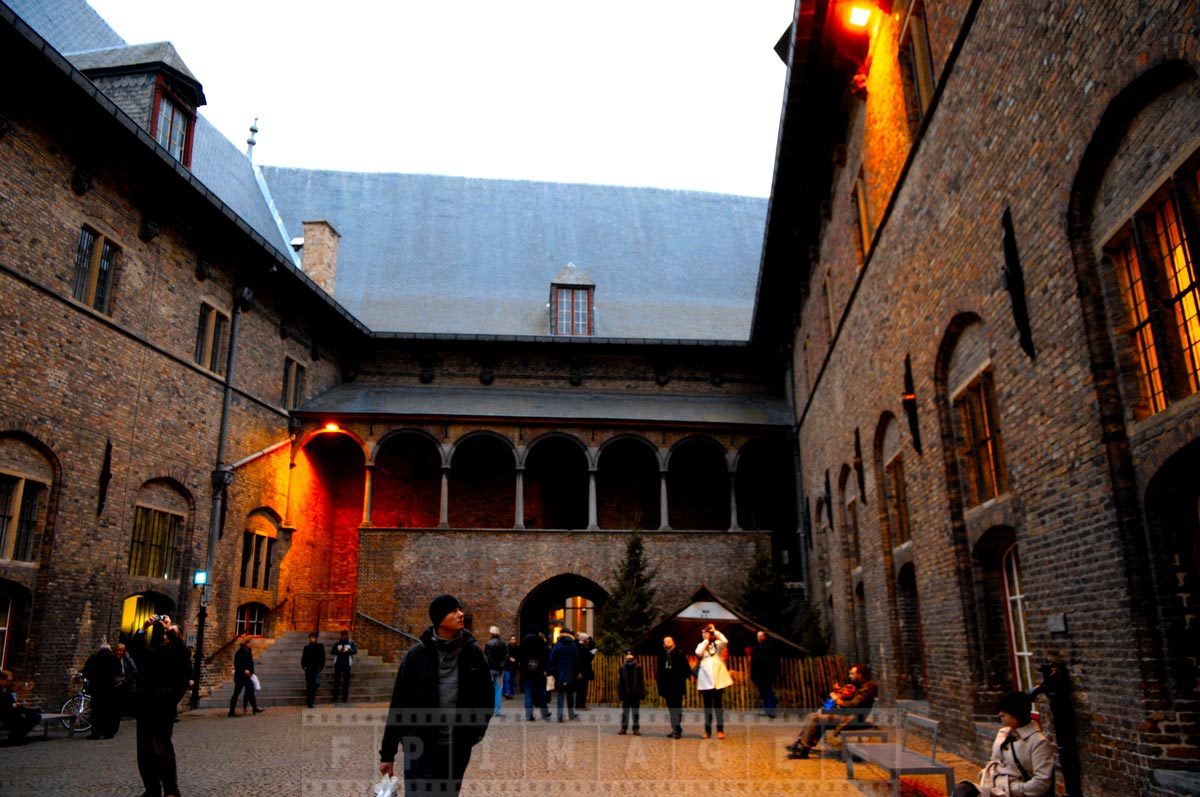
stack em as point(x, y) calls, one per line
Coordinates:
point(1172, 70)
point(552, 594)
point(406, 480)
point(1173, 517)
point(628, 484)
point(987, 561)
point(140, 606)
point(698, 490)
point(30, 475)
point(911, 680)
point(765, 484)
point(556, 482)
point(326, 509)
point(482, 482)
point(891, 511)
point(324, 432)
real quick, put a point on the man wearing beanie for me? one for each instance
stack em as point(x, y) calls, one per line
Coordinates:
point(441, 704)
point(1022, 762)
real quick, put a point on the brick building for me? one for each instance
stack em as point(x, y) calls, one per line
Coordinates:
point(975, 313)
point(337, 395)
point(983, 244)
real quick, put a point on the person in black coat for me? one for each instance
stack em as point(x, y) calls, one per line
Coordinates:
point(534, 655)
point(441, 704)
point(312, 661)
point(631, 690)
point(673, 674)
point(18, 719)
point(101, 671)
point(162, 675)
point(764, 670)
point(243, 668)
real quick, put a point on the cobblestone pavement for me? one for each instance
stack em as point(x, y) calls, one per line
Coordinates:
point(333, 751)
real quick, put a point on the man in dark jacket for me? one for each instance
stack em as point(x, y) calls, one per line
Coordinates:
point(162, 674)
point(441, 704)
point(673, 674)
point(243, 668)
point(312, 661)
point(764, 670)
point(534, 655)
point(848, 707)
point(631, 690)
point(101, 671)
point(587, 673)
point(564, 666)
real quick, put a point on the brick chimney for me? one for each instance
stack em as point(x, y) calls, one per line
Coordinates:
point(318, 258)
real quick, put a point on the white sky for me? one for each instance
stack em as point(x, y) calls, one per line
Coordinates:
point(667, 93)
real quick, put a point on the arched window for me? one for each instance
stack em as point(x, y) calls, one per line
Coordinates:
point(25, 479)
point(1018, 632)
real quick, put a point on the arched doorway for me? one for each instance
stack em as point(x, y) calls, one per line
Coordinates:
point(564, 601)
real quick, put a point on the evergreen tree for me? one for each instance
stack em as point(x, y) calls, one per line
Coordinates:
point(630, 610)
point(765, 600)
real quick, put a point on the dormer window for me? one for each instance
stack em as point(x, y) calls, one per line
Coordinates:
point(571, 310)
point(172, 126)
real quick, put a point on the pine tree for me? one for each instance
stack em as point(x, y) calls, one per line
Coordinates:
point(630, 610)
point(765, 600)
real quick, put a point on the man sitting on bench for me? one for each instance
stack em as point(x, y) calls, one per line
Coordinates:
point(18, 719)
point(843, 712)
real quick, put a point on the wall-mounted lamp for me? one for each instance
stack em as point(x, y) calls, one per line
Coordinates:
point(199, 578)
point(909, 401)
point(332, 427)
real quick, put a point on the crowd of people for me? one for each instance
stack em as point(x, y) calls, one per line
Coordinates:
point(448, 687)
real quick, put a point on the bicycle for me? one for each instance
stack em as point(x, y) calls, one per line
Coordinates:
point(78, 708)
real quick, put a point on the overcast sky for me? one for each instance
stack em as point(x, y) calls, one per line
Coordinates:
point(667, 93)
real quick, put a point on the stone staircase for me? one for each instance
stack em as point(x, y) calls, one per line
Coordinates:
point(277, 664)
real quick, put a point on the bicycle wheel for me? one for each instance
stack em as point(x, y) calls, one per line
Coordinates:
point(79, 711)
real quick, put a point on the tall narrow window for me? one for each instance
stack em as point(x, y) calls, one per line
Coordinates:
point(1155, 258)
point(979, 441)
point(210, 339)
point(293, 384)
point(854, 550)
point(172, 127)
point(155, 537)
point(257, 560)
point(1018, 633)
point(95, 258)
point(897, 501)
point(916, 63)
point(20, 504)
point(858, 198)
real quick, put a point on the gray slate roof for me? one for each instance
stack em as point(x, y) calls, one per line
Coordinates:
point(132, 55)
point(438, 401)
point(433, 254)
point(70, 26)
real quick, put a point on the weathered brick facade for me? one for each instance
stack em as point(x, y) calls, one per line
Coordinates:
point(1072, 138)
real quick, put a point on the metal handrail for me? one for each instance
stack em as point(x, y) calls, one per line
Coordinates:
point(392, 628)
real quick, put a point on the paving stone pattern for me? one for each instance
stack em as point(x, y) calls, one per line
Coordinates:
point(332, 751)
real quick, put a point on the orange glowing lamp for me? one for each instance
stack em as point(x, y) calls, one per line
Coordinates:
point(860, 15)
point(332, 427)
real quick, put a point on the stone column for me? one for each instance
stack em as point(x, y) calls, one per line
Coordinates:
point(444, 509)
point(519, 524)
point(733, 518)
point(664, 521)
point(592, 524)
point(368, 490)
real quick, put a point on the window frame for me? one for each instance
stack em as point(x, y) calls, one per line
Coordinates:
point(915, 53)
point(156, 555)
point(95, 264)
point(21, 514)
point(578, 303)
point(244, 625)
point(294, 374)
point(182, 111)
point(1155, 258)
point(260, 549)
point(211, 345)
point(896, 501)
point(1019, 648)
point(978, 438)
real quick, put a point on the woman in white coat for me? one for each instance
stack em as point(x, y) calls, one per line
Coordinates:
point(712, 678)
point(1022, 763)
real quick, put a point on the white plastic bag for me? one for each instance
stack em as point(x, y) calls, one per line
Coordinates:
point(386, 787)
point(257, 684)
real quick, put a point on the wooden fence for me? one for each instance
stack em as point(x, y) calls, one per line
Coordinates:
point(802, 683)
